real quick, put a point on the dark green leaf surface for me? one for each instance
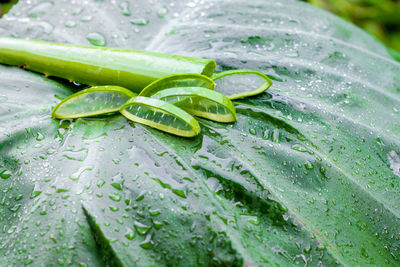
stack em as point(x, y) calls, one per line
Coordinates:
point(309, 174)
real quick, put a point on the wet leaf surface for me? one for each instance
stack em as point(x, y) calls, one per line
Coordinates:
point(309, 174)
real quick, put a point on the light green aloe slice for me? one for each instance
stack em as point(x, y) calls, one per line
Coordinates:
point(201, 102)
point(92, 102)
point(161, 115)
point(241, 83)
point(178, 80)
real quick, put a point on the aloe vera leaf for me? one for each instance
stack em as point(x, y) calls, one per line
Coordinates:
point(201, 102)
point(93, 65)
point(178, 80)
point(241, 83)
point(160, 115)
point(92, 102)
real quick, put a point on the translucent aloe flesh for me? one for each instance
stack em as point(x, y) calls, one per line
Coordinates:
point(179, 80)
point(241, 83)
point(92, 65)
point(160, 115)
point(93, 101)
point(200, 102)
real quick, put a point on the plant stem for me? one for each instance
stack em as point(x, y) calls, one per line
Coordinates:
point(98, 65)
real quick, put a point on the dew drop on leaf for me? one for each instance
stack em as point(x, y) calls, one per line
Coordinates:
point(147, 242)
point(140, 22)
point(130, 234)
point(276, 136)
point(5, 174)
point(141, 228)
point(70, 24)
point(40, 9)
point(125, 8)
point(96, 39)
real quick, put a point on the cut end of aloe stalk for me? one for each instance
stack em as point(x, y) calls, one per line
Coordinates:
point(178, 80)
point(241, 83)
point(93, 101)
point(209, 68)
point(160, 115)
point(201, 102)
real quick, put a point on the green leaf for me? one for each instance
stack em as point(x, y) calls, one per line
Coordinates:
point(309, 173)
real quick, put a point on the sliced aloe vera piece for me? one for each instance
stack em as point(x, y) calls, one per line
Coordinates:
point(179, 80)
point(201, 102)
point(161, 115)
point(241, 83)
point(92, 101)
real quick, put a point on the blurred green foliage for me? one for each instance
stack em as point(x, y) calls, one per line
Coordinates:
point(381, 18)
point(6, 5)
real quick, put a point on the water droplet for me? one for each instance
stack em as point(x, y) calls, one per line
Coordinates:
point(36, 191)
point(113, 208)
point(79, 154)
point(101, 183)
point(12, 229)
point(46, 27)
point(86, 18)
point(176, 191)
point(140, 196)
point(40, 9)
point(40, 137)
point(140, 22)
point(162, 12)
point(155, 212)
point(147, 242)
point(77, 11)
point(96, 38)
point(5, 174)
point(75, 176)
point(70, 24)
point(115, 197)
point(125, 8)
point(276, 136)
point(141, 228)
point(130, 234)
point(394, 160)
point(15, 208)
point(309, 165)
point(300, 148)
point(251, 219)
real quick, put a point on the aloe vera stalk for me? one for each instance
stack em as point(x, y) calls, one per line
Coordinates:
point(92, 65)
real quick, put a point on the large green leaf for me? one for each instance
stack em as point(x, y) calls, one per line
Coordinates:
point(309, 175)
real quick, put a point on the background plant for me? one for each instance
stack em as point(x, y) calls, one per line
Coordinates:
point(381, 18)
